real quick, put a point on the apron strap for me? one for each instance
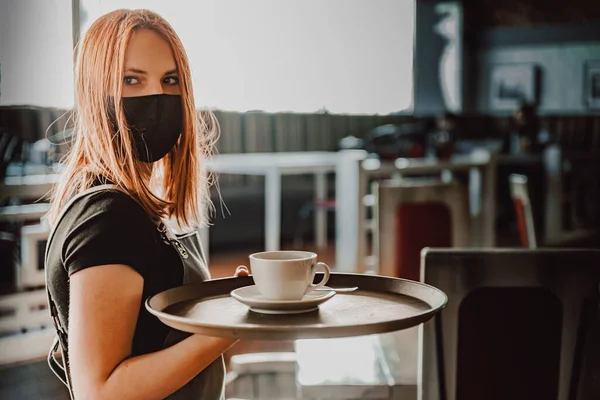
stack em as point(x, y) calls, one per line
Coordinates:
point(61, 368)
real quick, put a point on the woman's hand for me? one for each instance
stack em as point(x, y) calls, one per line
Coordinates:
point(241, 271)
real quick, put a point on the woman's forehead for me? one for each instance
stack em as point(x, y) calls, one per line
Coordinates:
point(149, 52)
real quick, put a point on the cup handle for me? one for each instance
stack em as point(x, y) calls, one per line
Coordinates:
point(314, 270)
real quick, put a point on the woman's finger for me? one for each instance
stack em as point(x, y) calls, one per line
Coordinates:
point(242, 271)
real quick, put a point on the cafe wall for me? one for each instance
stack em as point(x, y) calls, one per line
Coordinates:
point(549, 40)
point(560, 64)
point(439, 84)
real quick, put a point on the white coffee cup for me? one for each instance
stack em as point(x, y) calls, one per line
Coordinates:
point(286, 274)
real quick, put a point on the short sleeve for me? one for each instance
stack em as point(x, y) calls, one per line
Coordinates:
point(107, 228)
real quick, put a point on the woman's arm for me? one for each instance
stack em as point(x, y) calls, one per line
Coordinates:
point(104, 306)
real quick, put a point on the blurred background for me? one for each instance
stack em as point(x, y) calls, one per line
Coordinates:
point(373, 129)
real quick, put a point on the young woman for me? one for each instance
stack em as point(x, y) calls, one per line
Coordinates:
point(134, 164)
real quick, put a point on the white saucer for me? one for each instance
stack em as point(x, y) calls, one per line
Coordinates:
point(250, 296)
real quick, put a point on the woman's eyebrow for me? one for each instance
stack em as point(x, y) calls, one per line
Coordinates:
point(135, 70)
point(142, 72)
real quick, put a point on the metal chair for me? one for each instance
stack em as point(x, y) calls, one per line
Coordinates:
point(523, 210)
point(413, 214)
point(519, 324)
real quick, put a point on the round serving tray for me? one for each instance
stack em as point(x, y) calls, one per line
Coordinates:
point(381, 304)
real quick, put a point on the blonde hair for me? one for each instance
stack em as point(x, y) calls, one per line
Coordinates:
point(175, 187)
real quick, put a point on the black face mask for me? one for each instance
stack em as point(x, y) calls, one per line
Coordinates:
point(155, 123)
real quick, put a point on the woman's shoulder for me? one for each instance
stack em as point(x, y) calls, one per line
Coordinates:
point(109, 200)
point(100, 228)
point(109, 204)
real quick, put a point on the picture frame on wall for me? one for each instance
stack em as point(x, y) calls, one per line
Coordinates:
point(592, 85)
point(513, 84)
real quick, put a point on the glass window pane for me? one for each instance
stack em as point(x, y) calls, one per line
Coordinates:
point(346, 56)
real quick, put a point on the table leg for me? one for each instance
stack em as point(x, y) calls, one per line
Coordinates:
point(348, 210)
point(553, 217)
point(476, 197)
point(320, 212)
point(272, 210)
point(488, 205)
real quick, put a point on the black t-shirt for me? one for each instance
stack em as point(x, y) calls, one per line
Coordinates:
point(109, 227)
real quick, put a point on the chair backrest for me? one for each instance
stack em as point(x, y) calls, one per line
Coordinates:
point(518, 323)
point(413, 215)
point(520, 195)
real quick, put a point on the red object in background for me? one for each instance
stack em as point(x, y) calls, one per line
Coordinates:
point(444, 151)
point(418, 226)
point(388, 156)
point(520, 212)
point(327, 203)
point(417, 151)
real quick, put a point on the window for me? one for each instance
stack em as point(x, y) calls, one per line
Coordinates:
point(345, 56)
point(36, 53)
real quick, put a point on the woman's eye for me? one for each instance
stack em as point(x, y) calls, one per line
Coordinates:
point(130, 80)
point(171, 80)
